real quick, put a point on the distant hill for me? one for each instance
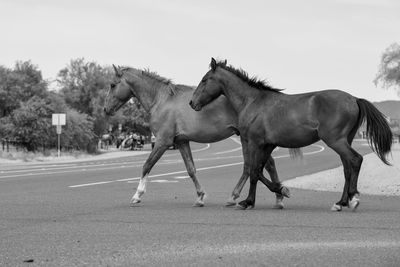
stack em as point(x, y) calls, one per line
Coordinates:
point(390, 108)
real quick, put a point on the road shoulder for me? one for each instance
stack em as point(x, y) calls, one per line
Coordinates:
point(375, 177)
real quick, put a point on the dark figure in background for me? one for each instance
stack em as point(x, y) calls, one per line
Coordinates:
point(152, 140)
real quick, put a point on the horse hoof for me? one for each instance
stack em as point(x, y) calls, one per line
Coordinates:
point(230, 203)
point(243, 205)
point(278, 206)
point(285, 191)
point(354, 203)
point(240, 207)
point(336, 207)
point(198, 204)
point(135, 201)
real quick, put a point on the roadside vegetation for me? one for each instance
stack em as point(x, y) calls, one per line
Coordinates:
point(27, 103)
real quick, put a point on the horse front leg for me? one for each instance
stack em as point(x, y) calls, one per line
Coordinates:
point(154, 156)
point(242, 180)
point(250, 201)
point(256, 159)
point(186, 153)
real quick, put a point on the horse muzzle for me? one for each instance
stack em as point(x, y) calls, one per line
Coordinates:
point(196, 107)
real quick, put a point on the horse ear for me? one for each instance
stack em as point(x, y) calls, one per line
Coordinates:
point(225, 62)
point(117, 71)
point(213, 64)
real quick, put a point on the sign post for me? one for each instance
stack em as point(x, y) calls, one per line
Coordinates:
point(58, 119)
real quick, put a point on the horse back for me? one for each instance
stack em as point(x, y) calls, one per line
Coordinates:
point(301, 119)
point(174, 117)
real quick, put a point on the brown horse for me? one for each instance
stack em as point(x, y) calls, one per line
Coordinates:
point(173, 122)
point(268, 118)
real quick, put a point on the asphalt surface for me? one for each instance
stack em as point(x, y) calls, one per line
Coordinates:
point(77, 214)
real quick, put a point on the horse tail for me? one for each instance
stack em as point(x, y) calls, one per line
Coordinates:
point(378, 131)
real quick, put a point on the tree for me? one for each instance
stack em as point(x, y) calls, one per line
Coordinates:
point(389, 68)
point(83, 86)
point(30, 123)
point(19, 85)
point(135, 117)
point(78, 132)
point(82, 83)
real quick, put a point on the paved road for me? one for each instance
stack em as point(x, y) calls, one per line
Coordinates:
point(78, 214)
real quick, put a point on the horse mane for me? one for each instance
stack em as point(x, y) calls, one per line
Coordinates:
point(243, 75)
point(169, 85)
point(156, 76)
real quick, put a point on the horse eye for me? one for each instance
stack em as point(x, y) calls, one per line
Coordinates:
point(112, 85)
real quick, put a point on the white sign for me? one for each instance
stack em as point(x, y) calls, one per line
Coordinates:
point(58, 119)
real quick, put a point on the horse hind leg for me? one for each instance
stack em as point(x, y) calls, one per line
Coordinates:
point(344, 199)
point(186, 154)
point(351, 164)
point(353, 191)
point(356, 166)
point(273, 174)
point(242, 181)
point(238, 188)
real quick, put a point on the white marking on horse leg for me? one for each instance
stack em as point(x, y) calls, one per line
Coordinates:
point(354, 203)
point(279, 202)
point(231, 201)
point(141, 189)
point(336, 207)
point(200, 199)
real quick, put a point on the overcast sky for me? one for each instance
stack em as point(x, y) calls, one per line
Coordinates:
point(301, 46)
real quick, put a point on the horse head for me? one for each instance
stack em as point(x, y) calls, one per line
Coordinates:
point(118, 94)
point(209, 87)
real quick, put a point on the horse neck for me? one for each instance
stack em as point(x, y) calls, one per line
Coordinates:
point(238, 91)
point(147, 91)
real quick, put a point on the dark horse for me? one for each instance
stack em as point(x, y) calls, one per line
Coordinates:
point(173, 122)
point(268, 118)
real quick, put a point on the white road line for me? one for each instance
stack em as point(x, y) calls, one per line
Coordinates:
point(236, 140)
point(163, 181)
point(61, 172)
point(321, 148)
point(65, 168)
point(202, 149)
point(193, 151)
point(182, 177)
point(155, 175)
point(81, 168)
point(228, 151)
point(76, 166)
